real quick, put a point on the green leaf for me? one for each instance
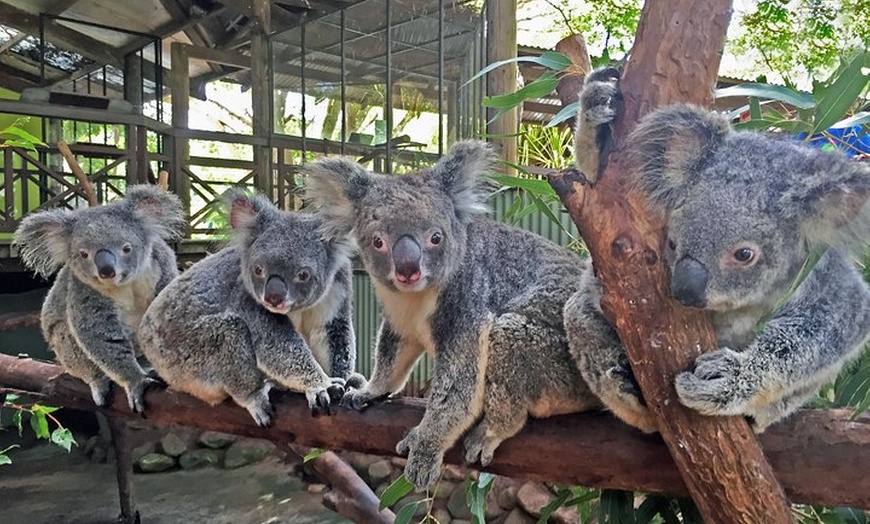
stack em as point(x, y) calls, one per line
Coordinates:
point(549, 59)
point(532, 185)
point(853, 515)
point(4, 460)
point(616, 507)
point(44, 410)
point(841, 95)
point(858, 119)
point(11, 398)
point(754, 108)
point(395, 491)
point(313, 454)
point(475, 496)
point(541, 87)
point(554, 504)
point(545, 209)
point(63, 438)
point(23, 135)
point(17, 420)
point(567, 112)
point(586, 497)
point(405, 514)
point(768, 91)
point(39, 424)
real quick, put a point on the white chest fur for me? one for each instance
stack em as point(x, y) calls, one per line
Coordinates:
point(409, 314)
point(311, 322)
point(133, 299)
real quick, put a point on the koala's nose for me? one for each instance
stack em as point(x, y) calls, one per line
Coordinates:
point(689, 282)
point(105, 262)
point(276, 290)
point(406, 258)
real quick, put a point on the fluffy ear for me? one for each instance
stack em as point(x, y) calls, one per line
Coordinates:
point(462, 175)
point(248, 212)
point(667, 145)
point(334, 185)
point(832, 201)
point(44, 240)
point(159, 208)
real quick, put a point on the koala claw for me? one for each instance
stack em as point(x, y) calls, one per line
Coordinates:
point(136, 393)
point(336, 392)
point(478, 447)
point(359, 400)
point(424, 460)
point(717, 385)
point(355, 381)
point(100, 389)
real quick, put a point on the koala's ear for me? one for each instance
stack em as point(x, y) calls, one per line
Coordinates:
point(832, 202)
point(247, 211)
point(160, 209)
point(44, 240)
point(667, 145)
point(462, 175)
point(333, 186)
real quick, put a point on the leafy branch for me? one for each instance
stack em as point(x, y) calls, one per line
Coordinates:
point(41, 419)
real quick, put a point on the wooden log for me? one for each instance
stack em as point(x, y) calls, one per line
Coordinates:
point(675, 58)
point(10, 321)
point(501, 44)
point(87, 187)
point(820, 456)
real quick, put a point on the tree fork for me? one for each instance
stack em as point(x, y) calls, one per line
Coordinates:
point(820, 456)
point(675, 58)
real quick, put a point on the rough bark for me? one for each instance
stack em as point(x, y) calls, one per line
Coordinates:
point(820, 456)
point(675, 58)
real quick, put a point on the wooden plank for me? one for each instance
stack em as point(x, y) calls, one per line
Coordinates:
point(501, 44)
point(261, 93)
point(218, 56)
point(179, 84)
point(820, 456)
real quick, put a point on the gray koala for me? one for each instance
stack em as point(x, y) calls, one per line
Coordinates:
point(484, 298)
point(112, 261)
point(747, 215)
point(275, 305)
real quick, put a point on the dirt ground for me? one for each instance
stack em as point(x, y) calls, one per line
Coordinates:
point(45, 485)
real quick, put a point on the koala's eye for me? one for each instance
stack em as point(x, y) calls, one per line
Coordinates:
point(378, 242)
point(672, 245)
point(83, 254)
point(303, 275)
point(436, 238)
point(258, 270)
point(744, 255)
point(126, 248)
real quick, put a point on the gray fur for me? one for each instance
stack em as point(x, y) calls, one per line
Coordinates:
point(487, 304)
point(212, 333)
point(89, 321)
point(724, 191)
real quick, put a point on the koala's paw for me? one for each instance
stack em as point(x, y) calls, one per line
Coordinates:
point(480, 447)
point(355, 381)
point(360, 399)
point(320, 400)
point(622, 396)
point(261, 411)
point(100, 389)
point(136, 393)
point(424, 460)
point(718, 385)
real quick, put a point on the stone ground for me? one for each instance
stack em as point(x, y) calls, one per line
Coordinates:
point(45, 485)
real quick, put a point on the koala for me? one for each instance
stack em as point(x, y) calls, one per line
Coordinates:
point(273, 306)
point(111, 261)
point(760, 234)
point(483, 298)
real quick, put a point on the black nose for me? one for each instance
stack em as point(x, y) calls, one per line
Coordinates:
point(689, 282)
point(105, 262)
point(276, 290)
point(406, 258)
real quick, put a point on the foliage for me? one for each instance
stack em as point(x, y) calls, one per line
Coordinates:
point(40, 418)
point(802, 37)
point(15, 136)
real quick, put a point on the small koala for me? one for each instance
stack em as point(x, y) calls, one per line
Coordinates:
point(111, 261)
point(747, 216)
point(274, 305)
point(483, 298)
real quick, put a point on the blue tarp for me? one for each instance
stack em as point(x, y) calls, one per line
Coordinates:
point(852, 141)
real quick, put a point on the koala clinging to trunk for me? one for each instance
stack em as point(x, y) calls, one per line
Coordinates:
point(747, 215)
point(275, 306)
point(112, 261)
point(484, 298)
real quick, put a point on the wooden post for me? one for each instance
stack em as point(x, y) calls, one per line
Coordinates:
point(675, 58)
point(137, 168)
point(261, 94)
point(124, 470)
point(501, 44)
point(180, 89)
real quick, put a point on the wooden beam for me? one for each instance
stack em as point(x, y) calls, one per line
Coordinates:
point(179, 82)
point(501, 44)
point(219, 56)
point(261, 92)
point(820, 456)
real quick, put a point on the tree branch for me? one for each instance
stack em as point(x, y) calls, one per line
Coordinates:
point(821, 457)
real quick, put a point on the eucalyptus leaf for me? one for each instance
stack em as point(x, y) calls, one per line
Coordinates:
point(768, 91)
point(313, 454)
point(841, 95)
point(404, 515)
point(541, 87)
point(858, 119)
point(395, 491)
point(567, 112)
point(549, 59)
point(63, 438)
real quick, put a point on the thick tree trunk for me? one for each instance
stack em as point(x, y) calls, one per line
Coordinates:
point(675, 58)
point(821, 457)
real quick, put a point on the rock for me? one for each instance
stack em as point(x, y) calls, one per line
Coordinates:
point(140, 451)
point(504, 493)
point(173, 444)
point(199, 458)
point(453, 472)
point(381, 489)
point(379, 471)
point(399, 462)
point(360, 462)
point(155, 463)
point(316, 488)
point(565, 516)
point(444, 489)
point(457, 504)
point(533, 496)
point(518, 516)
point(442, 516)
point(99, 455)
point(246, 451)
point(216, 439)
point(90, 444)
